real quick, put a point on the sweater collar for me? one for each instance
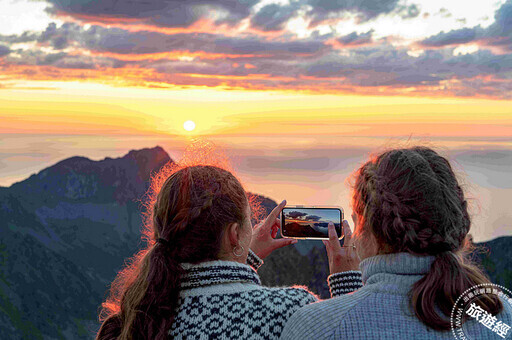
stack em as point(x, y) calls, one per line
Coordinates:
point(402, 264)
point(217, 272)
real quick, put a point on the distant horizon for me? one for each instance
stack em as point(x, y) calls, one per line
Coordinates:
point(175, 145)
point(272, 174)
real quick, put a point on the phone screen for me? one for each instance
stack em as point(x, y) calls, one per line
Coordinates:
point(310, 222)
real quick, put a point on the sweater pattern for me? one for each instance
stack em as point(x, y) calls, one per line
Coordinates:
point(224, 300)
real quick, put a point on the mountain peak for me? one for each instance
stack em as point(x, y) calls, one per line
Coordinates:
point(157, 151)
point(148, 159)
point(124, 178)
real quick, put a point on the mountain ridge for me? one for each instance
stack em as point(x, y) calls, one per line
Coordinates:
point(66, 231)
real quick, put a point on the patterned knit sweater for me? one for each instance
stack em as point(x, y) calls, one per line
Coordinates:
point(380, 309)
point(225, 300)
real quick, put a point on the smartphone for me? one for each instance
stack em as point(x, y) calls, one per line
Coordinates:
point(310, 222)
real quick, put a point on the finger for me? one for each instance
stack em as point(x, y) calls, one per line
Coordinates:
point(283, 242)
point(334, 242)
point(257, 225)
point(347, 232)
point(277, 223)
point(275, 213)
point(274, 232)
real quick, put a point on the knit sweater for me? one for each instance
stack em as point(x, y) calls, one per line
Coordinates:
point(225, 300)
point(380, 309)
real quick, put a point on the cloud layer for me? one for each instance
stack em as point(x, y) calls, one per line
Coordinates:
point(252, 45)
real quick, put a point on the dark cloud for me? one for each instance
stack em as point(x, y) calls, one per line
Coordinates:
point(355, 39)
point(502, 25)
point(166, 13)
point(14, 39)
point(497, 34)
point(4, 50)
point(312, 218)
point(500, 32)
point(180, 13)
point(62, 60)
point(76, 63)
point(409, 12)
point(296, 214)
point(273, 17)
point(120, 41)
point(321, 9)
point(454, 37)
point(59, 37)
point(385, 65)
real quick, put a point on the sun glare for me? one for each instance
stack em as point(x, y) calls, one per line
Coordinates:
point(189, 125)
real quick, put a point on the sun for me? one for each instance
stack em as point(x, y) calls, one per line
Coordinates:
point(189, 125)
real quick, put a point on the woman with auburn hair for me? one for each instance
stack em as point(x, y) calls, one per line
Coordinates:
point(192, 280)
point(411, 226)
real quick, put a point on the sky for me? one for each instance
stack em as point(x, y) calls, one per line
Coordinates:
point(297, 92)
point(413, 48)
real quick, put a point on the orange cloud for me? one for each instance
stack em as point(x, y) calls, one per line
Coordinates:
point(175, 55)
point(203, 25)
point(135, 76)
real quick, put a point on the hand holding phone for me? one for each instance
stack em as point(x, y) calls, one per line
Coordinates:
point(341, 258)
point(263, 240)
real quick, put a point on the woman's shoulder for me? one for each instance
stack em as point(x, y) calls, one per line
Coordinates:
point(318, 320)
point(300, 295)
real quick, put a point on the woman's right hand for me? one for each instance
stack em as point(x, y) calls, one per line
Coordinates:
point(341, 258)
point(264, 234)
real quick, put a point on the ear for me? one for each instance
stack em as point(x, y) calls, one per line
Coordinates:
point(233, 233)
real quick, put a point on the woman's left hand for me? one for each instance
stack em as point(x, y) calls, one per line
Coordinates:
point(263, 240)
point(341, 258)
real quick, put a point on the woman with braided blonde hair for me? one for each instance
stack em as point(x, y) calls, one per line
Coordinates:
point(411, 235)
point(193, 280)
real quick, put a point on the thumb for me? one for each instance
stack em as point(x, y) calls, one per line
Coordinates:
point(282, 242)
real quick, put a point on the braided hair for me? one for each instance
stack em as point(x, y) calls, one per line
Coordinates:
point(188, 218)
point(410, 201)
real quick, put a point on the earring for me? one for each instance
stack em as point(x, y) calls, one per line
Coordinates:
point(241, 251)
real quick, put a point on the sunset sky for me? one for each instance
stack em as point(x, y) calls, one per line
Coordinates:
point(307, 87)
point(387, 67)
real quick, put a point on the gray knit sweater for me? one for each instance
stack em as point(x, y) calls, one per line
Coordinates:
point(380, 309)
point(225, 300)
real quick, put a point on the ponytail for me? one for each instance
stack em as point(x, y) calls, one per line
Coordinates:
point(155, 309)
point(447, 279)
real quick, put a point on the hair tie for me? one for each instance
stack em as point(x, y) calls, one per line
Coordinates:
point(164, 242)
point(443, 248)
